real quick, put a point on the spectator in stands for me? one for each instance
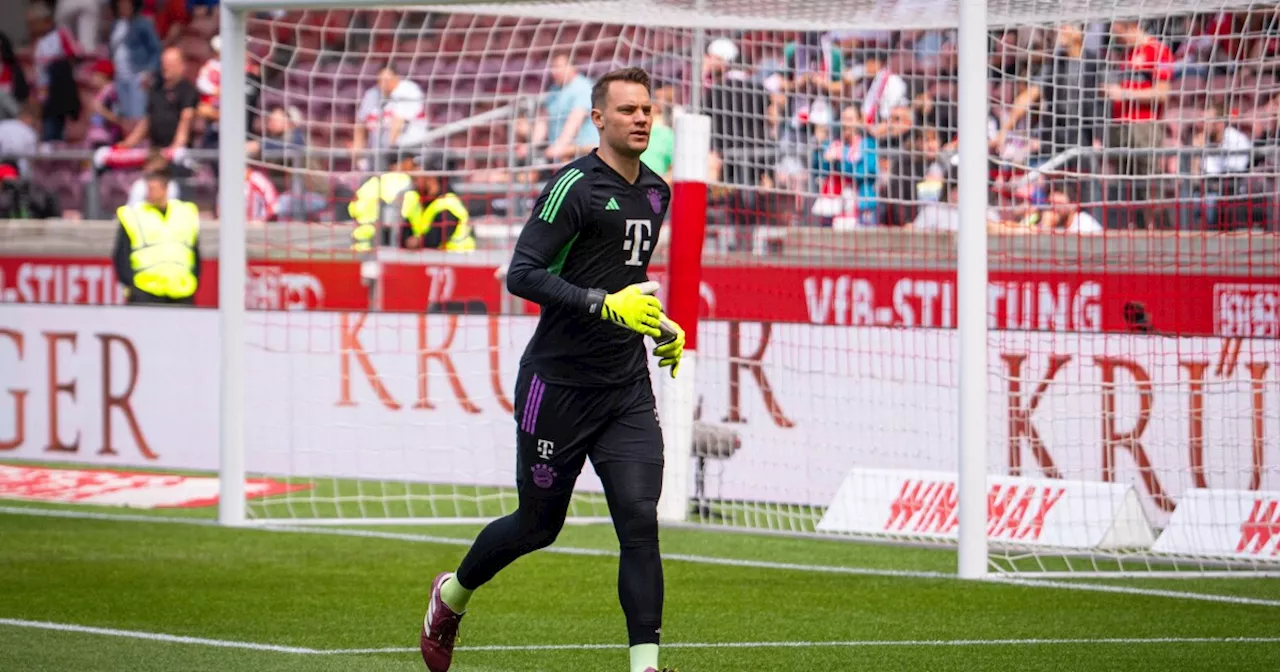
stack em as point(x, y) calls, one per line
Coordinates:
point(1225, 149)
point(886, 115)
point(885, 95)
point(944, 215)
point(844, 168)
point(22, 198)
point(742, 136)
point(1214, 39)
point(171, 19)
point(914, 176)
point(280, 132)
point(1225, 159)
point(1063, 101)
point(13, 81)
point(1061, 213)
point(314, 195)
point(171, 107)
point(933, 52)
point(105, 123)
point(260, 196)
point(18, 136)
point(814, 74)
point(56, 53)
point(392, 113)
point(1263, 41)
point(1138, 101)
point(209, 85)
point(81, 18)
point(202, 8)
point(135, 54)
point(156, 164)
point(564, 120)
point(1266, 127)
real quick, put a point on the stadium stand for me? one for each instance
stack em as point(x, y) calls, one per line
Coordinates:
point(315, 66)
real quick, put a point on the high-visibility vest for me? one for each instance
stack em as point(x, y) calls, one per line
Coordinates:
point(391, 199)
point(461, 239)
point(163, 247)
point(388, 198)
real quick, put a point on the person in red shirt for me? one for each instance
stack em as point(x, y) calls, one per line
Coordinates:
point(260, 196)
point(1137, 128)
point(1138, 99)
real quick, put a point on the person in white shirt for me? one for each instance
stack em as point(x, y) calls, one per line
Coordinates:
point(52, 42)
point(18, 136)
point(886, 103)
point(81, 16)
point(260, 196)
point(944, 215)
point(209, 84)
point(1226, 149)
point(886, 92)
point(1063, 213)
point(392, 113)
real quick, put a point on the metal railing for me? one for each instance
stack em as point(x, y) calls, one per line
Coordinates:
point(311, 190)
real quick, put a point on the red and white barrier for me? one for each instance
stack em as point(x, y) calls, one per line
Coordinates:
point(1045, 512)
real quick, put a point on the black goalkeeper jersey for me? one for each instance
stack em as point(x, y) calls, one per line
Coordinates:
point(589, 229)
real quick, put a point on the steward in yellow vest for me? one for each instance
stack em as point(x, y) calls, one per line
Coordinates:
point(419, 207)
point(157, 251)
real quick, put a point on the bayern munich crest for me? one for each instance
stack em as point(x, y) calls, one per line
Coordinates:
point(655, 200)
point(543, 476)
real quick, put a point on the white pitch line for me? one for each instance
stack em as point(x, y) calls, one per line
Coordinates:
point(1133, 590)
point(156, 636)
point(676, 557)
point(868, 643)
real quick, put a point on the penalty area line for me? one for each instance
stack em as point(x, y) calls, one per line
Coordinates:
point(869, 643)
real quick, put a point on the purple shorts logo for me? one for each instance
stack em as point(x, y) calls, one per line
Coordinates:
point(543, 476)
point(655, 200)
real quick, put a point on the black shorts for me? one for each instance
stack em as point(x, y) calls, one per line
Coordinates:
point(559, 426)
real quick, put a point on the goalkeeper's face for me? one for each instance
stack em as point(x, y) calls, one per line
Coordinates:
point(624, 118)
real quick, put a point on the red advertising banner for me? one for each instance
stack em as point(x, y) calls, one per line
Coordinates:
point(1055, 300)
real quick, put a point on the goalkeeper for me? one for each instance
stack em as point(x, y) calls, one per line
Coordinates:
point(583, 389)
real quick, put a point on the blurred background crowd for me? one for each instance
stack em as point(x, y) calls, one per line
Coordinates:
point(1170, 122)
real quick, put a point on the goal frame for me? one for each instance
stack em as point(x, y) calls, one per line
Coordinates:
point(689, 196)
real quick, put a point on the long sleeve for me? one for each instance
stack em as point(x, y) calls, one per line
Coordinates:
point(149, 41)
point(120, 257)
point(556, 221)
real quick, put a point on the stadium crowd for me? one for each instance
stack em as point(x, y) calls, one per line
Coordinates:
point(1171, 122)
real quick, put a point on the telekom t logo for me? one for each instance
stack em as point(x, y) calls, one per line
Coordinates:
point(637, 239)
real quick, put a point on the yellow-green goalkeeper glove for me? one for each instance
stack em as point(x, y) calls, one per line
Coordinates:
point(670, 345)
point(634, 307)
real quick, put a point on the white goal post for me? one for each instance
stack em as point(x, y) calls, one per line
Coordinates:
point(948, 368)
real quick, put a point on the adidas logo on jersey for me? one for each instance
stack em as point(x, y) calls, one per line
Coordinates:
point(612, 204)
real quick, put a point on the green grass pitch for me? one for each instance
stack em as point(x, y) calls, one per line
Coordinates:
point(252, 599)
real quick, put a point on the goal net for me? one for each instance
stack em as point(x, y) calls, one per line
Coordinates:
point(1132, 301)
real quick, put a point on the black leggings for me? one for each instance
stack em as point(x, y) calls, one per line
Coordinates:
point(632, 490)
